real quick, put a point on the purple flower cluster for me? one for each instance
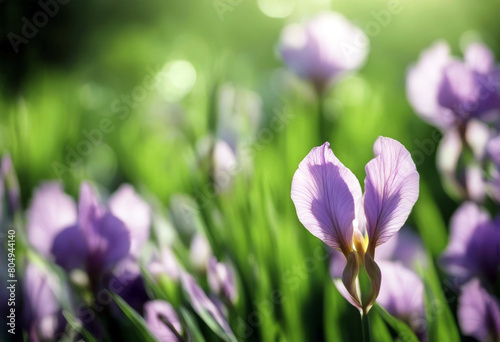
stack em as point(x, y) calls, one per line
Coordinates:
point(103, 247)
point(462, 98)
point(472, 258)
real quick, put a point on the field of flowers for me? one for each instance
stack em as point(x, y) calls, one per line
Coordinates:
point(264, 170)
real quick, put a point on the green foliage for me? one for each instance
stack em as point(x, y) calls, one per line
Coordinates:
point(135, 319)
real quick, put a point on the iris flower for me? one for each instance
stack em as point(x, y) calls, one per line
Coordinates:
point(330, 204)
point(447, 92)
point(323, 49)
point(89, 236)
point(474, 245)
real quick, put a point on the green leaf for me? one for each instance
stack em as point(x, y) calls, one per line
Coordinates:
point(136, 319)
point(215, 327)
point(430, 223)
point(440, 321)
point(332, 312)
point(192, 326)
point(76, 325)
point(404, 332)
point(378, 328)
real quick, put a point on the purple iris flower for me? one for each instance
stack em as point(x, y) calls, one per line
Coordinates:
point(221, 279)
point(324, 48)
point(473, 250)
point(328, 198)
point(162, 321)
point(446, 92)
point(90, 237)
point(43, 312)
point(97, 242)
point(479, 313)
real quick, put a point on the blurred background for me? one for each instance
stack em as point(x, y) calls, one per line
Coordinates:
point(75, 68)
point(128, 91)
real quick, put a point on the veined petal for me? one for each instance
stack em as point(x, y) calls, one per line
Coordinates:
point(326, 195)
point(478, 313)
point(391, 190)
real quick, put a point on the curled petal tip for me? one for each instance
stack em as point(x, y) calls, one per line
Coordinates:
point(376, 280)
point(350, 276)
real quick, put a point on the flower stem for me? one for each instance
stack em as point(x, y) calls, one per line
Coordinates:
point(365, 327)
point(323, 121)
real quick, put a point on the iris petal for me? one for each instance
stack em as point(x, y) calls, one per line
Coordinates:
point(391, 190)
point(126, 205)
point(326, 195)
point(478, 313)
